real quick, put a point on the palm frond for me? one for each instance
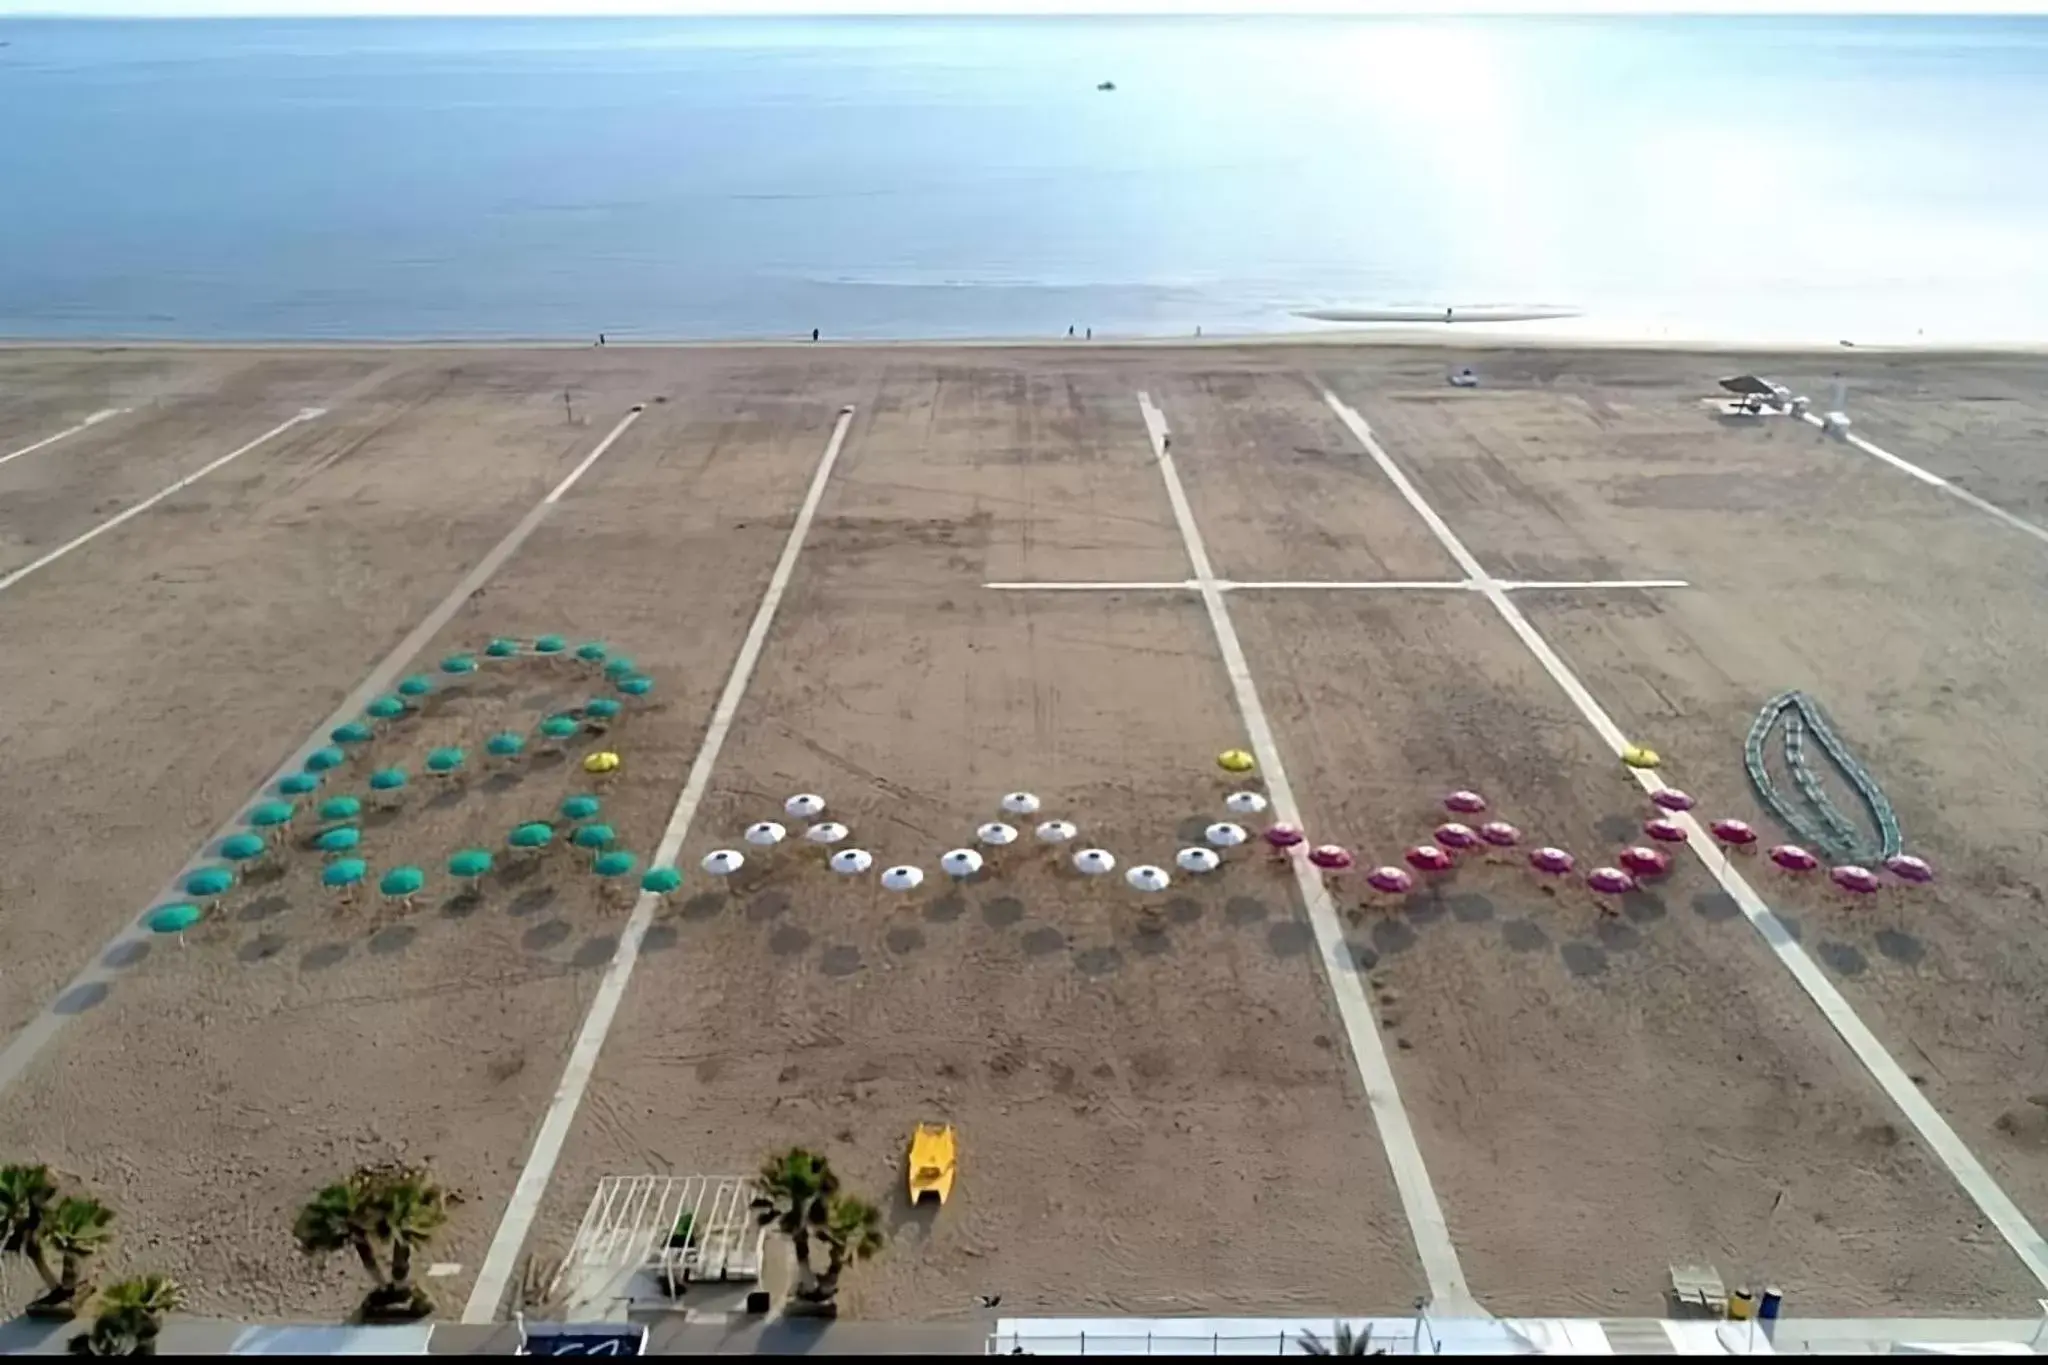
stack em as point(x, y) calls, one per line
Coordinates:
point(853, 1230)
point(154, 1295)
point(26, 1194)
point(78, 1227)
point(1344, 1341)
point(334, 1218)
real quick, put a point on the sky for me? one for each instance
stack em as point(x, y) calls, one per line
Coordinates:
point(181, 8)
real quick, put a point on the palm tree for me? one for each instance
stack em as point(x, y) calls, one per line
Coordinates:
point(412, 1209)
point(852, 1233)
point(392, 1209)
point(1343, 1342)
point(339, 1217)
point(797, 1189)
point(35, 1223)
point(26, 1196)
point(130, 1317)
point(77, 1230)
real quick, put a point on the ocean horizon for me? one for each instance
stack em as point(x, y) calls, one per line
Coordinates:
point(1771, 179)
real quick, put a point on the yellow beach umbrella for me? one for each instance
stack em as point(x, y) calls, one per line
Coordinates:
point(1638, 756)
point(605, 762)
point(1236, 761)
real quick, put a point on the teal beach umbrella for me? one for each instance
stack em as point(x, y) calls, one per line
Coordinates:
point(402, 883)
point(580, 807)
point(620, 667)
point(470, 864)
point(601, 708)
point(615, 864)
point(458, 664)
point(341, 839)
point(340, 808)
point(591, 653)
point(388, 780)
point(355, 732)
point(386, 708)
point(534, 834)
point(595, 836)
point(174, 919)
point(638, 685)
point(344, 874)
point(418, 685)
point(240, 848)
point(661, 880)
point(299, 784)
point(321, 760)
point(501, 648)
point(273, 814)
point(209, 882)
point(445, 760)
point(505, 744)
point(559, 727)
point(550, 644)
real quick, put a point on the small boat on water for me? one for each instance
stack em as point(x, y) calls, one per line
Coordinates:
point(1106, 85)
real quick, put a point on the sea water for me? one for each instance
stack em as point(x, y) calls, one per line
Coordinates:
point(1796, 179)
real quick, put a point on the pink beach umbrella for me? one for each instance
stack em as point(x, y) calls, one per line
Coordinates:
point(1500, 834)
point(1664, 831)
point(1642, 861)
point(1671, 798)
point(1610, 881)
point(1429, 858)
point(1330, 857)
point(1734, 833)
point(1392, 880)
point(1908, 868)
point(1465, 803)
point(1455, 835)
point(1554, 862)
point(1793, 858)
point(1281, 836)
point(1860, 881)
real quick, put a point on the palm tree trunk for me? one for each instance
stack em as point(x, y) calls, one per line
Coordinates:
point(367, 1254)
point(67, 1279)
point(401, 1262)
point(40, 1259)
point(800, 1243)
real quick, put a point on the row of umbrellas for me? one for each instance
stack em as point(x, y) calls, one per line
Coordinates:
point(963, 863)
point(624, 673)
point(1636, 863)
point(345, 874)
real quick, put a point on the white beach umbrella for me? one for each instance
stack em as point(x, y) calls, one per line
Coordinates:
point(1021, 803)
point(724, 862)
point(1094, 862)
point(804, 806)
point(766, 834)
point(1223, 834)
point(1197, 860)
point(904, 878)
point(1056, 832)
point(995, 834)
point(961, 862)
point(1245, 803)
point(851, 862)
point(1145, 877)
point(826, 833)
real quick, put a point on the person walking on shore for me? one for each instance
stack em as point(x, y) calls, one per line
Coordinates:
point(814, 334)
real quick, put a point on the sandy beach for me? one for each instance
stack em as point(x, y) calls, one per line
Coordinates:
point(1158, 1106)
